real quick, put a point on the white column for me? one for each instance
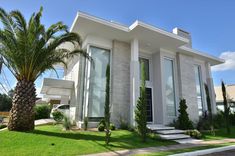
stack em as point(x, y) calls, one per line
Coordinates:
point(134, 79)
point(211, 87)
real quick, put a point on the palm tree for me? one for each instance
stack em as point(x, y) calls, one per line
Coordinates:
point(28, 50)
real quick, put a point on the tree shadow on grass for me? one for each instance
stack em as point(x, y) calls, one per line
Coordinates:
point(75, 136)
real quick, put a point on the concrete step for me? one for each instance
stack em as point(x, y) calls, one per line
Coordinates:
point(156, 127)
point(173, 131)
point(188, 141)
point(174, 136)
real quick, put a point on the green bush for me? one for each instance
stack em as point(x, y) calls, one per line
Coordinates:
point(3, 126)
point(57, 116)
point(42, 112)
point(203, 124)
point(184, 122)
point(102, 122)
point(67, 123)
point(112, 127)
point(101, 127)
point(194, 134)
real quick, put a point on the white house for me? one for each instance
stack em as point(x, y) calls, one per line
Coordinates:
point(174, 70)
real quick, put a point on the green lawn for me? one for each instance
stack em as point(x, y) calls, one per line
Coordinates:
point(219, 134)
point(50, 140)
point(177, 151)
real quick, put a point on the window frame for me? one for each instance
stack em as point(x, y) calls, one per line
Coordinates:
point(174, 84)
point(199, 70)
point(87, 81)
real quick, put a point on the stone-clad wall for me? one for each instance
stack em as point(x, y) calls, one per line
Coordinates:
point(120, 82)
point(187, 84)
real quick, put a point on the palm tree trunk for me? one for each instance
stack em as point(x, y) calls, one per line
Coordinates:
point(22, 111)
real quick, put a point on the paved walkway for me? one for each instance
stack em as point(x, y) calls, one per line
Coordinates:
point(162, 148)
point(43, 121)
point(38, 122)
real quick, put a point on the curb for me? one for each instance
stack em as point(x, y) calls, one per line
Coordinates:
point(3, 129)
point(206, 151)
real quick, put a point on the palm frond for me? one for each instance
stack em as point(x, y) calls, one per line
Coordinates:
point(28, 49)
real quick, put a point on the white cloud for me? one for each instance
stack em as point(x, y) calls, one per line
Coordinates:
point(229, 64)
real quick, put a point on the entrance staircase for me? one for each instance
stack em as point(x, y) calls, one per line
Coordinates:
point(170, 133)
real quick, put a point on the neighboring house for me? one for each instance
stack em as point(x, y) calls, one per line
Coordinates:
point(230, 89)
point(174, 71)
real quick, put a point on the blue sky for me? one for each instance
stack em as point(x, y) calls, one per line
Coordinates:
point(211, 23)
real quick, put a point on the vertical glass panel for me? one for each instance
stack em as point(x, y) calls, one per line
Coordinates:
point(146, 66)
point(169, 87)
point(101, 58)
point(197, 71)
point(149, 105)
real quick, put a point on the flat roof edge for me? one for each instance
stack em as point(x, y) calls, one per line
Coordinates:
point(126, 28)
point(218, 60)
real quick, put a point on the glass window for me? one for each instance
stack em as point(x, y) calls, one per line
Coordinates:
point(101, 58)
point(169, 87)
point(146, 66)
point(197, 71)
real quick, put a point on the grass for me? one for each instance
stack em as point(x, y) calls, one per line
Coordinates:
point(50, 140)
point(177, 151)
point(219, 134)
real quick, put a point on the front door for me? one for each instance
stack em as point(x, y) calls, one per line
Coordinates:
point(149, 105)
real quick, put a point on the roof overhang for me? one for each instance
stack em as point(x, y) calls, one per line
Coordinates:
point(209, 58)
point(56, 87)
point(149, 36)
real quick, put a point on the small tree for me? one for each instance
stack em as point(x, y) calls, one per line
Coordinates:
point(226, 108)
point(141, 112)
point(107, 107)
point(208, 101)
point(184, 122)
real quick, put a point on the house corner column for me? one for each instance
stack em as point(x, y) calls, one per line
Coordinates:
point(211, 88)
point(134, 79)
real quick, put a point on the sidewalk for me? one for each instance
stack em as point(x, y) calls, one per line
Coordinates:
point(161, 148)
point(38, 122)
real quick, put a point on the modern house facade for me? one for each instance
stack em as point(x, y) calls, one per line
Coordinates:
point(174, 70)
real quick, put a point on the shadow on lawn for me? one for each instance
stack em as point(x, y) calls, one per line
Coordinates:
point(75, 136)
point(122, 142)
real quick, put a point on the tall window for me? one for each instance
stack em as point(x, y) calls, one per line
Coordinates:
point(146, 67)
point(101, 58)
point(197, 70)
point(169, 87)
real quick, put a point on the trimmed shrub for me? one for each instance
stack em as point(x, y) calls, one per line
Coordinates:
point(194, 134)
point(140, 111)
point(66, 123)
point(42, 112)
point(101, 127)
point(112, 127)
point(184, 122)
point(58, 116)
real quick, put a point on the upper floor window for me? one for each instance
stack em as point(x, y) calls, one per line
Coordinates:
point(146, 67)
point(197, 70)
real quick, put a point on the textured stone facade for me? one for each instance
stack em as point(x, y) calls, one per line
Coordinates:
point(187, 84)
point(120, 82)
